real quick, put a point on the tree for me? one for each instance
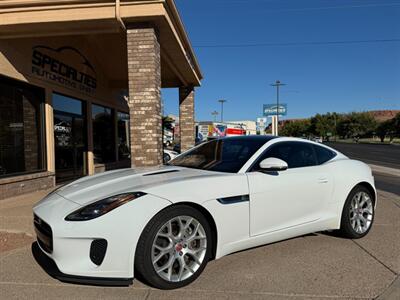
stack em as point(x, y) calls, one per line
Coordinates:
point(324, 125)
point(298, 128)
point(168, 122)
point(396, 124)
point(382, 130)
point(393, 127)
point(356, 125)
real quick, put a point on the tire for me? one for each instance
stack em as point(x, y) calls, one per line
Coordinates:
point(166, 158)
point(357, 220)
point(185, 252)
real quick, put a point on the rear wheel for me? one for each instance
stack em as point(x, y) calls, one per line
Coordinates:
point(358, 213)
point(174, 248)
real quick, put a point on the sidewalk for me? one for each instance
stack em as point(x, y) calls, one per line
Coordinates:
point(316, 266)
point(385, 170)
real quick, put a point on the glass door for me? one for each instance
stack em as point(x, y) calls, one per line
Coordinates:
point(69, 137)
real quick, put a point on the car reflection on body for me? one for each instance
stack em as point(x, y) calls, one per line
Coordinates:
point(220, 197)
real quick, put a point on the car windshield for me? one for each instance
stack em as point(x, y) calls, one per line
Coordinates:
point(222, 155)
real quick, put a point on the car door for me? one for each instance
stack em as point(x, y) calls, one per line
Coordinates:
point(284, 199)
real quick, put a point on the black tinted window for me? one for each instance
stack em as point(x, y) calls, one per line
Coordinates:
point(323, 154)
point(224, 155)
point(295, 154)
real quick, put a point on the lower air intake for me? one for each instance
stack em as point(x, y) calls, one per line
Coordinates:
point(98, 250)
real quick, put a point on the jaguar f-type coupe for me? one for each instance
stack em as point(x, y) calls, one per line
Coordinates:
point(164, 224)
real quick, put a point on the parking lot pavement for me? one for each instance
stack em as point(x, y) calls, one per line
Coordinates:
point(316, 266)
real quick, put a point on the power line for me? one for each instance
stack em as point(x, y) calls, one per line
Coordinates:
point(373, 5)
point(297, 43)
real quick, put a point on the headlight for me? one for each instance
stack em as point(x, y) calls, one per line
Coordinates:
point(102, 207)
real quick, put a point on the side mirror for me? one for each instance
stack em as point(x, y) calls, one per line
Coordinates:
point(273, 164)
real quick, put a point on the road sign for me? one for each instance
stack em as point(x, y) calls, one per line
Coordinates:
point(261, 122)
point(270, 110)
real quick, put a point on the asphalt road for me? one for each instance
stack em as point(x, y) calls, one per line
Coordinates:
point(382, 155)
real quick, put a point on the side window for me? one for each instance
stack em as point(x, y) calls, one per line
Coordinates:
point(295, 154)
point(323, 154)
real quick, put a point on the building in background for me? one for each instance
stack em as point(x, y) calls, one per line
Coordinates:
point(248, 125)
point(206, 130)
point(80, 87)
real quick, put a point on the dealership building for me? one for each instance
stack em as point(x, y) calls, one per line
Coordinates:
point(80, 87)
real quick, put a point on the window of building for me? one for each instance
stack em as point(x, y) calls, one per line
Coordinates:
point(69, 137)
point(103, 134)
point(124, 152)
point(21, 128)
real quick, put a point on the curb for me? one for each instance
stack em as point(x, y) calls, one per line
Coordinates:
point(385, 170)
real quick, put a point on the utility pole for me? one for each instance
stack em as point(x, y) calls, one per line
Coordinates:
point(278, 84)
point(222, 101)
point(215, 114)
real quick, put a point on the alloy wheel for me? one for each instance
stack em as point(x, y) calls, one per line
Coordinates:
point(361, 212)
point(179, 248)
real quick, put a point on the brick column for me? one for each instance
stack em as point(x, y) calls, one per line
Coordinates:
point(186, 117)
point(144, 75)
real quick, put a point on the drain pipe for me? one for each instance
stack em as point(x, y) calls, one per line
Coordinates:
point(118, 14)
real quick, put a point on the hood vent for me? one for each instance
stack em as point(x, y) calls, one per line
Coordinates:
point(162, 172)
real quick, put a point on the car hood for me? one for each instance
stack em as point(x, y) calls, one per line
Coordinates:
point(92, 188)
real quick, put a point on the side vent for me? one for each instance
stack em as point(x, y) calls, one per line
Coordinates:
point(162, 172)
point(234, 199)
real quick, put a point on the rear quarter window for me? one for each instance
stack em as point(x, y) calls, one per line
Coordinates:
point(323, 154)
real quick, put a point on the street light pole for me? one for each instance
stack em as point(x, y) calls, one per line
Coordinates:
point(215, 114)
point(222, 101)
point(277, 84)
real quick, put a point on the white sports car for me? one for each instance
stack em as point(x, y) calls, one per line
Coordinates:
point(164, 224)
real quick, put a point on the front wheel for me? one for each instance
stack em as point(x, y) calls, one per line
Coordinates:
point(358, 213)
point(174, 248)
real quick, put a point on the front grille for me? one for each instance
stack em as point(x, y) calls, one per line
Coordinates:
point(98, 250)
point(44, 234)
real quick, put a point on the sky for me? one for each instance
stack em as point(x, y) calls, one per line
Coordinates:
point(334, 55)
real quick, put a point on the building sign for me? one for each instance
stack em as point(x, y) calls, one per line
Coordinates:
point(235, 131)
point(64, 66)
point(270, 110)
point(261, 124)
point(62, 133)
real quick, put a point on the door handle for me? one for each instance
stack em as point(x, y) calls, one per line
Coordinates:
point(323, 180)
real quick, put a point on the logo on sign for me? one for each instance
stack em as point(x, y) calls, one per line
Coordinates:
point(66, 66)
point(272, 109)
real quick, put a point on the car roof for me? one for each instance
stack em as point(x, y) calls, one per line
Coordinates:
point(266, 138)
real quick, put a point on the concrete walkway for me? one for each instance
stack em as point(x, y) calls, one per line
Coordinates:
point(316, 266)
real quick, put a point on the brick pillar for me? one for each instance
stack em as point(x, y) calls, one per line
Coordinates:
point(186, 117)
point(144, 75)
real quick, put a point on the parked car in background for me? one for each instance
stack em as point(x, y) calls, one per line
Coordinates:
point(318, 140)
point(169, 155)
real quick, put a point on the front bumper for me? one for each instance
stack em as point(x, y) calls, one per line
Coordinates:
point(51, 268)
point(70, 245)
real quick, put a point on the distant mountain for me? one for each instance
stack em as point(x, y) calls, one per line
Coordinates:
point(383, 115)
